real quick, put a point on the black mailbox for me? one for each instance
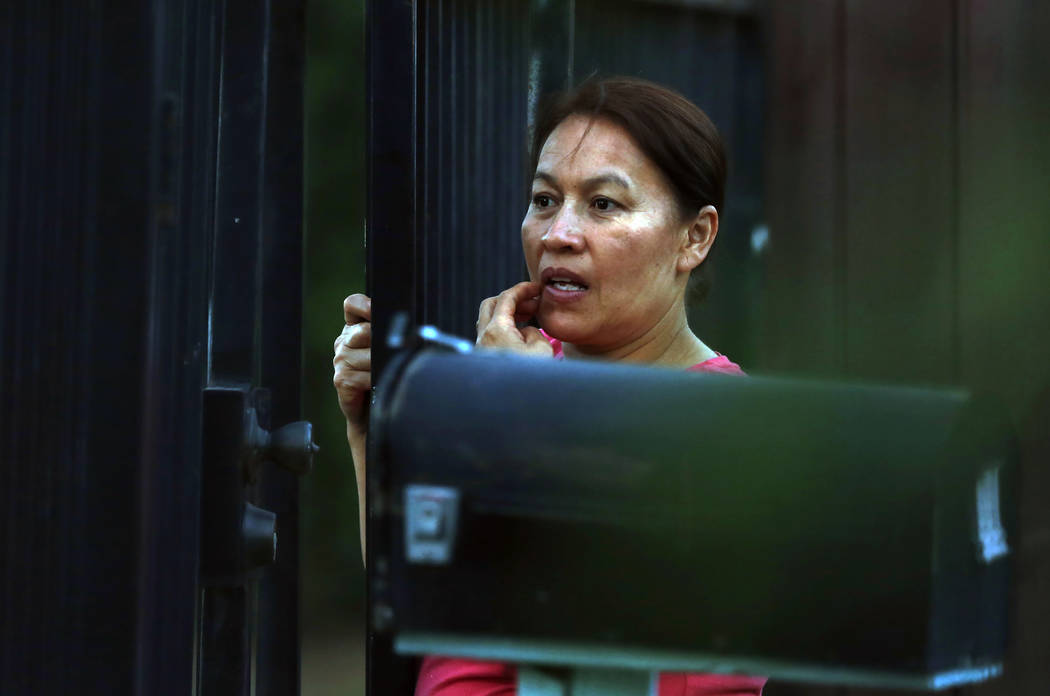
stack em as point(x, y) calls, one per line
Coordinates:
point(586, 514)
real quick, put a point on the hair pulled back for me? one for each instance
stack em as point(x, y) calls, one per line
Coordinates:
point(675, 134)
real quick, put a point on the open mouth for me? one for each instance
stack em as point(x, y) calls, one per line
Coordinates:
point(563, 280)
point(566, 285)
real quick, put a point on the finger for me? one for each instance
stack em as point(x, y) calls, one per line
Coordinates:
point(359, 359)
point(485, 312)
point(357, 308)
point(507, 301)
point(348, 382)
point(526, 309)
point(340, 340)
point(356, 336)
point(346, 336)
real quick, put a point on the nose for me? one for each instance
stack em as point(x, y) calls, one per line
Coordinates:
point(564, 233)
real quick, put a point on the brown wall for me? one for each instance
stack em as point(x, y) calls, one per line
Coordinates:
point(908, 181)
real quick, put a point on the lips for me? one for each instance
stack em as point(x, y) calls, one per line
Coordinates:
point(564, 280)
point(563, 287)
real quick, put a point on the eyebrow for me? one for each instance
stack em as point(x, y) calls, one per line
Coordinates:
point(594, 181)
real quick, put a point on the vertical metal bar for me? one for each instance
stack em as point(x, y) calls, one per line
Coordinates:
point(225, 642)
point(552, 40)
point(239, 167)
point(224, 630)
point(481, 148)
point(224, 650)
point(457, 85)
point(391, 161)
point(169, 485)
point(429, 128)
point(392, 273)
point(277, 664)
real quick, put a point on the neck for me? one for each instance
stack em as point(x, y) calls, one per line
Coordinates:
point(669, 343)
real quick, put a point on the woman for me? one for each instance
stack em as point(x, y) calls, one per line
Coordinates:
point(628, 181)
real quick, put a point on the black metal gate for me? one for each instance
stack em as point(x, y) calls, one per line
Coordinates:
point(150, 197)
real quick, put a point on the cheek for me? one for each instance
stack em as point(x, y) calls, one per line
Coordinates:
point(636, 258)
point(530, 249)
point(640, 270)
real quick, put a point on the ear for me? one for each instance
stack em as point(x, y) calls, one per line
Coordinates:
point(699, 237)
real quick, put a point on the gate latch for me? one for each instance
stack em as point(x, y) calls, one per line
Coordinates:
point(236, 536)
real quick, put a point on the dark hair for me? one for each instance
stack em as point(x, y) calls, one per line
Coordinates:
point(673, 132)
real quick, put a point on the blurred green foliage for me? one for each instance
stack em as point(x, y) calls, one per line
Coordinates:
point(334, 266)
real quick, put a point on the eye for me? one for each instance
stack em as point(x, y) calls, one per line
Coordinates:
point(542, 200)
point(605, 204)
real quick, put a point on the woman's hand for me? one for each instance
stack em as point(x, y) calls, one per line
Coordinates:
point(498, 319)
point(353, 360)
point(353, 385)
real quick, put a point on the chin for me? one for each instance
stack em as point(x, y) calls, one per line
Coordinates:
point(560, 326)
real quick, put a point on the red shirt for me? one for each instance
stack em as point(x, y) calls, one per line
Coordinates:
point(448, 676)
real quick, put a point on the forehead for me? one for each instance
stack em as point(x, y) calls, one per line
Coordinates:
point(580, 146)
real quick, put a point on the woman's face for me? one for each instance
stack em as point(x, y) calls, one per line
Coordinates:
point(604, 237)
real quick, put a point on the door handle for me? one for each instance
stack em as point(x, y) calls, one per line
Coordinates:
point(291, 446)
point(237, 537)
